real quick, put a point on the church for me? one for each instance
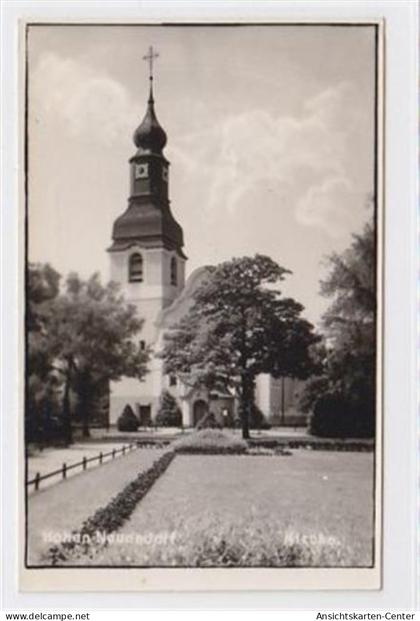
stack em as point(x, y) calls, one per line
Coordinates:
point(148, 260)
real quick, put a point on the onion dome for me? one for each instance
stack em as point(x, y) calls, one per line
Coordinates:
point(150, 137)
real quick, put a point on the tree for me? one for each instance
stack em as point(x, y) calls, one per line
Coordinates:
point(127, 421)
point(349, 326)
point(350, 319)
point(43, 381)
point(169, 413)
point(92, 333)
point(239, 326)
point(43, 284)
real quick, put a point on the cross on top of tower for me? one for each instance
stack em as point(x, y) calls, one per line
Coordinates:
point(149, 136)
point(150, 56)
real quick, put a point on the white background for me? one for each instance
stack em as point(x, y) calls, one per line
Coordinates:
point(400, 417)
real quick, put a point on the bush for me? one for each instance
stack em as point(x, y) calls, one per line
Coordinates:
point(313, 390)
point(169, 413)
point(334, 416)
point(128, 421)
point(213, 441)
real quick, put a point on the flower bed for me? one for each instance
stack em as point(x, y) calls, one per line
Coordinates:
point(109, 518)
point(262, 450)
point(210, 441)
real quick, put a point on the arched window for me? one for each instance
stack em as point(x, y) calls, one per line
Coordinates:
point(135, 268)
point(174, 275)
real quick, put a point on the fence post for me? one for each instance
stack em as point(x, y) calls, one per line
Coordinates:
point(113, 453)
point(64, 470)
point(84, 463)
point(100, 457)
point(37, 477)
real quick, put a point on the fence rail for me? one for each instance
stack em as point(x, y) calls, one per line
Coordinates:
point(83, 463)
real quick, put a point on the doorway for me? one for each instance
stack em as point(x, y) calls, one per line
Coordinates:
point(200, 409)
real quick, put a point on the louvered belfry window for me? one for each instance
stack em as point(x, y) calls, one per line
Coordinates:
point(135, 269)
point(174, 278)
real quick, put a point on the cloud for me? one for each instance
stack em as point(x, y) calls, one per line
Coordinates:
point(87, 103)
point(304, 157)
point(331, 206)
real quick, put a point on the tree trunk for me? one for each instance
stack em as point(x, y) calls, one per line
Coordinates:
point(68, 432)
point(246, 402)
point(283, 410)
point(85, 399)
point(85, 415)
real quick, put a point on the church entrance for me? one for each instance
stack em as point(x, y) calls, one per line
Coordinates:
point(200, 410)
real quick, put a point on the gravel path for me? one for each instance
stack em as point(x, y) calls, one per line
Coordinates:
point(51, 459)
point(63, 507)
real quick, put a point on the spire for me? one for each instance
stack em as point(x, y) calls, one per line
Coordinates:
point(150, 137)
point(151, 100)
point(148, 219)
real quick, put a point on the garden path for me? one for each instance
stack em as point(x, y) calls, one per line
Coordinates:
point(65, 506)
point(52, 458)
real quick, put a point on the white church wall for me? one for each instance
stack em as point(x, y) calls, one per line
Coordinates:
point(156, 284)
point(155, 292)
point(262, 393)
point(186, 414)
point(150, 297)
point(137, 393)
point(128, 391)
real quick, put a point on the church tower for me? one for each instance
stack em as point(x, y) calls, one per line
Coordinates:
point(146, 255)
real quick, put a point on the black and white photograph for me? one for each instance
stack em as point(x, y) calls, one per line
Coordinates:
point(203, 268)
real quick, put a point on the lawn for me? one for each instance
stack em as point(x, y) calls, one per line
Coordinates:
point(242, 510)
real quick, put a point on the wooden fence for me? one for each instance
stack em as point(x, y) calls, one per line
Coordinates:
point(83, 464)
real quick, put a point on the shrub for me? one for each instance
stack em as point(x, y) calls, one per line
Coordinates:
point(334, 416)
point(169, 413)
point(314, 389)
point(128, 421)
point(210, 441)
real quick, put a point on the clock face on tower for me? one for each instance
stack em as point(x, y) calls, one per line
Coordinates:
point(141, 171)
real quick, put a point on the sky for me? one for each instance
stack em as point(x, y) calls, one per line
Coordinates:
point(270, 138)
